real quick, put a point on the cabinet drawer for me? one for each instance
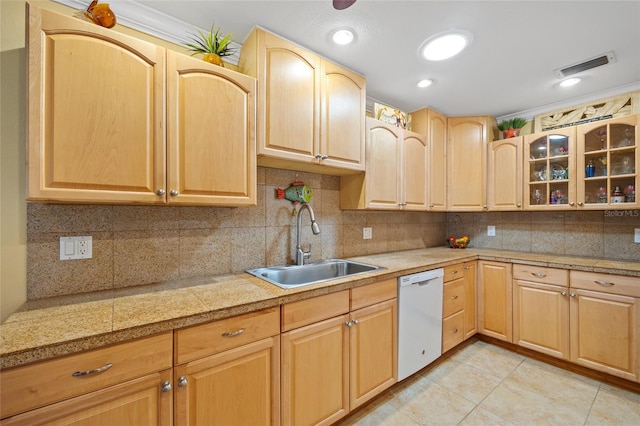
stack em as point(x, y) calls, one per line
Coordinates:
point(374, 293)
point(452, 331)
point(453, 272)
point(304, 312)
point(31, 386)
point(541, 274)
point(606, 283)
point(452, 297)
point(218, 336)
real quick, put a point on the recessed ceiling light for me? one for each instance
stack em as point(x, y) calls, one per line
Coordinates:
point(445, 45)
point(570, 82)
point(343, 36)
point(425, 83)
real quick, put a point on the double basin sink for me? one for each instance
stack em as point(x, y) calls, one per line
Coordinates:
point(292, 276)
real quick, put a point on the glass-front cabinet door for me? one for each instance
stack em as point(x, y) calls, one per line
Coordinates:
point(549, 170)
point(607, 163)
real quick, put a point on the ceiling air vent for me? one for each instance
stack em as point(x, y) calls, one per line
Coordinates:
point(598, 61)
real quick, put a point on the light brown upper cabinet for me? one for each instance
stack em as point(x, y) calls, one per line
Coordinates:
point(611, 146)
point(310, 110)
point(396, 171)
point(433, 125)
point(467, 162)
point(211, 134)
point(504, 174)
point(549, 170)
point(97, 121)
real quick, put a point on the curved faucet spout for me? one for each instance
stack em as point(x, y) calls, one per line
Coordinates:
point(301, 255)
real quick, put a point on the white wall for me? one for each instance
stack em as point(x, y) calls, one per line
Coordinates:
point(13, 229)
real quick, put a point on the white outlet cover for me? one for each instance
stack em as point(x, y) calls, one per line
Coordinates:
point(76, 248)
point(491, 231)
point(636, 236)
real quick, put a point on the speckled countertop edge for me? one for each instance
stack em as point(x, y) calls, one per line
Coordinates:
point(48, 328)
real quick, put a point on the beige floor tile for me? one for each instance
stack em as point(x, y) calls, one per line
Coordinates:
point(614, 406)
point(569, 390)
point(519, 404)
point(482, 417)
point(379, 412)
point(431, 404)
point(464, 380)
point(491, 359)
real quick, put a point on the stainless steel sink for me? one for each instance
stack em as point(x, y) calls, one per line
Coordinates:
point(291, 276)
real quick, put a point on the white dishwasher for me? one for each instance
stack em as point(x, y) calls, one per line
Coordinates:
point(419, 320)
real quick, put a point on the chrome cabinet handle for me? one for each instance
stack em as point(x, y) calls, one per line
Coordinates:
point(454, 297)
point(321, 156)
point(166, 387)
point(485, 207)
point(95, 371)
point(564, 293)
point(174, 193)
point(348, 324)
point(233, 333)
point(518, 205)
point(454, 272)
point(356, 322)
point(454, 331)
point(467, 267)
point(572, 295)
point(579, 203)
point(160, 192)
point(538, 274)
point(604, 283)
point(182, 382)
point(572, 204)
point(430, 205)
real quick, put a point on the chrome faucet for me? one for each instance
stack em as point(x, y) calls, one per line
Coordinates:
point(301, 255)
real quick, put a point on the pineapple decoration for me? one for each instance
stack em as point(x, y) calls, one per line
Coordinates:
point(212, 45)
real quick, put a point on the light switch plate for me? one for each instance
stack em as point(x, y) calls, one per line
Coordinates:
point(491, 231)
point(636, 236)
point(76, 248)
point(367, 233)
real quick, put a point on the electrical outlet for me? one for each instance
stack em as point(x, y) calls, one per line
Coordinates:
point(367, 233)
point(491, 231)
point(636, 236)
point(76, 248)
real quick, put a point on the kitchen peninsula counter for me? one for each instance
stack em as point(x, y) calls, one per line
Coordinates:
point(47, 328)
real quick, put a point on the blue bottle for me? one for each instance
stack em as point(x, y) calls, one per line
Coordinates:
point(590, 170)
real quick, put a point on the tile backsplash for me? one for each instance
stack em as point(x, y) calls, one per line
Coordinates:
point(137, 245)
point(599, 234)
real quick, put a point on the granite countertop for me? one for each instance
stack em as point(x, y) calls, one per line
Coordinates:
point(47, 328)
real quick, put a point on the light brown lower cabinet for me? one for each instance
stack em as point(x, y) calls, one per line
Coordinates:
point(495, 300)
point(239, 386)
point(459, 304)
point(541, 309)
point(124, 384)
point(334, 365)
point(605, 323)
point(228, 371)
point(373, 341)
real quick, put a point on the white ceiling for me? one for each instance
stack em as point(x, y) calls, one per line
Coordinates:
point(508, 68)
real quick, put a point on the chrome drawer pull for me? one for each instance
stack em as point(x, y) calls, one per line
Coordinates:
point(454, 331)
point(96, 371)
point(454, 297)
point(539, 275)
point(604, 283)
point(233, 333)
point(454, 272)
point(467, 267)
